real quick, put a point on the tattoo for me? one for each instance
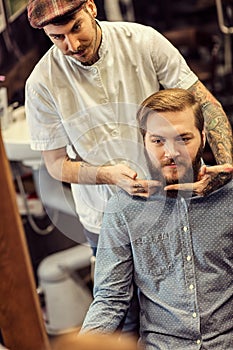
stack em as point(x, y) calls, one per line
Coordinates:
point(84, 165)
point(217, 125)
point(217, 181)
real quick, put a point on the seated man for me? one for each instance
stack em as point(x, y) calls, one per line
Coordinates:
point(177, 247)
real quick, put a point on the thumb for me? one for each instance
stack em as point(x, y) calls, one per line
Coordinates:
point(132, 174)
point(202, 172)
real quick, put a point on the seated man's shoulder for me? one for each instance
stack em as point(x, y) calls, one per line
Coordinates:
point(121, 202)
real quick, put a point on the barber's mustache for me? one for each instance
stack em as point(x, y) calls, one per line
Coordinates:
point(77, 52)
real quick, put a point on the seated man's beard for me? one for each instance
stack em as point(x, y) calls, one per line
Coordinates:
point(191, 174)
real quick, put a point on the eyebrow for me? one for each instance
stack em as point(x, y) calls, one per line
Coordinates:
point(188, 133)
point(155, 135)
point(77, 21)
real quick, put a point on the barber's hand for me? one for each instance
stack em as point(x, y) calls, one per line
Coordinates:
point(126, 178)
point(141, 188)
point(210, 179)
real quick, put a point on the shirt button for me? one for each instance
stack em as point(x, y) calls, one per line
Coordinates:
point(198, 341)
point(94, 70)
point(189, 258)
point(185, 228)
point(191, 287)
point(104, 100)
point(115, 133)
point(194, 315)
point(122, 162)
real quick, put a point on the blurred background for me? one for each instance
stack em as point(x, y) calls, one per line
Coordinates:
point(201, 29)
point(193, 26)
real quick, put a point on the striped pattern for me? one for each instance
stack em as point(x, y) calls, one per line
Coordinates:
point(41, 12)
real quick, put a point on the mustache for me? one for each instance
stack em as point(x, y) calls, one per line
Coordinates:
point(192, 173)
point(77, 52)
point(171, 161)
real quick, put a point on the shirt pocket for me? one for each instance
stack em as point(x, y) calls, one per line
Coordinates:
point(81, 133)
point(154, 254)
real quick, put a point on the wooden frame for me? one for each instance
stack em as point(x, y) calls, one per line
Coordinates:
point(21, 321)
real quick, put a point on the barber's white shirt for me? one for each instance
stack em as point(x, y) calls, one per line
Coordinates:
point(94, 108)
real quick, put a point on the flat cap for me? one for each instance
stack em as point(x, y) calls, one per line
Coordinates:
point(42, 12)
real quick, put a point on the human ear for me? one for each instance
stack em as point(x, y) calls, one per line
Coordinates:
point(91, 7)
point(203, 134)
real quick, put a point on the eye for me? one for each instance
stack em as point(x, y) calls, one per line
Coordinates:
point(57, 37)
point(183, 139)
point(158, 141)
point(76, 27)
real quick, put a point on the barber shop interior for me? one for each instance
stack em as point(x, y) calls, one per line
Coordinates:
point(54, 73)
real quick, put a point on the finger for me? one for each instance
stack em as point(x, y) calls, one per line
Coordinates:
point(196, 187)
point(202, 172)
point(146, 188)
point(139, 190)
point(192, 186)
point(147, 184)
point(218, 169)
point(142, 195)
point(132, 187)
point(154, 183)
point(228, 170)
point(137, 185)
point(181, 187)
point(130, 173)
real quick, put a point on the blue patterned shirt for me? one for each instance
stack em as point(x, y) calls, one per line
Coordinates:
point(179, 251)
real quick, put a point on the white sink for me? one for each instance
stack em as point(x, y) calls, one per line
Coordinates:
point(17, 140)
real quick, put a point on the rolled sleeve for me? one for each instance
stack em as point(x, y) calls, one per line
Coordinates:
point(45, 126)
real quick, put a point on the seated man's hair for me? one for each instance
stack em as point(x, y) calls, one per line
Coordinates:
point(170, 100)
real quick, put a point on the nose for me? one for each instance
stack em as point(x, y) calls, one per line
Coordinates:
point(72, 43)
point(171, 150)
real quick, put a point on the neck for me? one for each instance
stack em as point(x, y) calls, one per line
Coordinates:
point(93, 60)
point(98, 39)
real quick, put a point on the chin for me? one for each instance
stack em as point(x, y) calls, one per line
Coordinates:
point(171, 179)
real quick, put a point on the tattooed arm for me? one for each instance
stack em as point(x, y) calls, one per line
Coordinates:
point(210, 179)
point(218, 128)
point(62, 168)
point(219, 135)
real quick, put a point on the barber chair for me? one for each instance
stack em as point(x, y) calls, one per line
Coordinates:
point(64, 294)
point(63, 277)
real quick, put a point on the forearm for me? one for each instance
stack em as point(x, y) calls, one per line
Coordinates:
point(104, 316)
point(113, 285)
point(217, 125)
point(62, 168)
point(219, 133)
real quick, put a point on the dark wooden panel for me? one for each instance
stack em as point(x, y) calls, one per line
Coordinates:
point(21, 320)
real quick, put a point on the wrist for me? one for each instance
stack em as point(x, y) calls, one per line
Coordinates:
point(87, 174)
point(103, 175)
